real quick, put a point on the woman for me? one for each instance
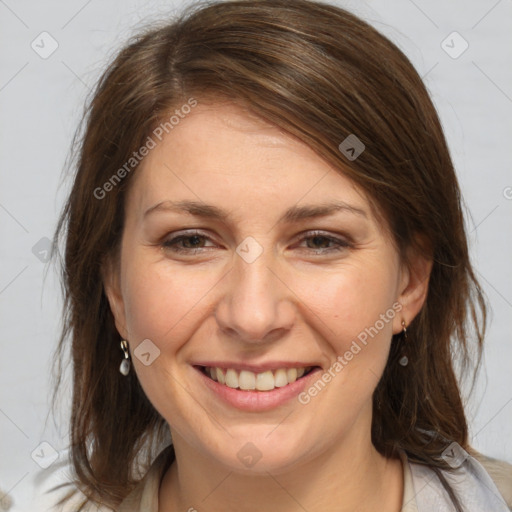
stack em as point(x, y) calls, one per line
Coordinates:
point(265, 258)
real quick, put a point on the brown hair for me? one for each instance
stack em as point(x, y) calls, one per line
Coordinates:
point(321, 74)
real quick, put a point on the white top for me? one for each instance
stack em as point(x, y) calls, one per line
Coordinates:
point(423, 491)
point(472, 484)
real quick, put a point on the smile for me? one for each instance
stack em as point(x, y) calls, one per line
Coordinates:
point(249, 381)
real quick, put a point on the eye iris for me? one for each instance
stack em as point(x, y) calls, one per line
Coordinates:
point(320, 242)
point(196, 241)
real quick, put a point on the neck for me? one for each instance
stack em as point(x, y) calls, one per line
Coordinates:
point(350, 477)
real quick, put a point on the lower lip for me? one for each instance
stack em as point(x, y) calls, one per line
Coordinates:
point(258, 401)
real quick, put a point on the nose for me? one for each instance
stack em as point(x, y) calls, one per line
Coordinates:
point(257, 306)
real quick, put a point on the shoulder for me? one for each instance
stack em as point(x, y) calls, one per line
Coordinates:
point(55, 490)
point(501, 474)
point(144, 498)
point(478, 482)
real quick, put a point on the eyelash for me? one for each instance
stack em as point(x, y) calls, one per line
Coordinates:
point(171, 244)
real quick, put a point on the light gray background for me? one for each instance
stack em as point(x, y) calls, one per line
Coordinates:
point(41, 102)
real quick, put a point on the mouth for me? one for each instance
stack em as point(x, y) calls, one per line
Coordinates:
point(245, 380)
point(256, 388)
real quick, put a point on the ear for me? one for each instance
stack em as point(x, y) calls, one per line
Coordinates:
point(110, 272)
point(414, 279)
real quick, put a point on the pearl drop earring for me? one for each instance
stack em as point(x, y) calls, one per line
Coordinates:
point(404, 360)
point(124, 367)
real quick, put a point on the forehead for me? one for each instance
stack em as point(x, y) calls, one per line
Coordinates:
point(222, 154)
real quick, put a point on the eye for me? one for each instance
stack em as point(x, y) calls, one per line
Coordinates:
point(193, 242)
point(190, 242)
point(322, 243)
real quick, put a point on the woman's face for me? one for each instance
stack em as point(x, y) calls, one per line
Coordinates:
point(243, 250)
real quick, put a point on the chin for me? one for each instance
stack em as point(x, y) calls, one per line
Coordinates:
point(263, 450)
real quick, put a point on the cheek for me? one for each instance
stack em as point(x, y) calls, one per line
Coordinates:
point(163, 302)
point(353, 309)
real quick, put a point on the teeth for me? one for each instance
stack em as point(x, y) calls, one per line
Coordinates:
point(265, 381)
point(231, 378)
point(247, 381)
point(280, 378)
point(291, 373)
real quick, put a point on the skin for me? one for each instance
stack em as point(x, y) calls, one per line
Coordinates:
point(300, 300)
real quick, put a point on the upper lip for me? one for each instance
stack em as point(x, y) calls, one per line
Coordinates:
point(255, 368)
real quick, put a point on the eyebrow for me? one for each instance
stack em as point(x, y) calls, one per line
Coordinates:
point(293, 214)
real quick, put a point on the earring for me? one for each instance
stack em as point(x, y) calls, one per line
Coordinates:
point(404, 360)
point(124, 367)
